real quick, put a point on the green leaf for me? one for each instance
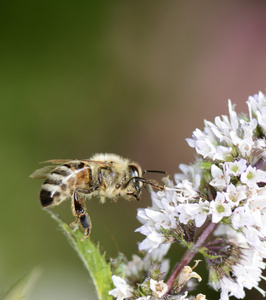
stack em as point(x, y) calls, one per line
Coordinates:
point(21, 289)
point(93, 260)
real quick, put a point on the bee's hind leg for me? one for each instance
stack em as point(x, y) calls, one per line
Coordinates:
point(79, 211)
point(85, 222)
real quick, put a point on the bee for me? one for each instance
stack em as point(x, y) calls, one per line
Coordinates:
point(106, 176)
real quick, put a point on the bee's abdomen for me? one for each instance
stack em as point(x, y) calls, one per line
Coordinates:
point(54, 188)
point(62, 182)
point(46, 197)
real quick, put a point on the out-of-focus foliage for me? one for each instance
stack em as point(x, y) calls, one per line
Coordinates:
point(22, 288)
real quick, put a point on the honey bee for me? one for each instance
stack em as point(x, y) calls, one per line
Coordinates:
point(103, 175)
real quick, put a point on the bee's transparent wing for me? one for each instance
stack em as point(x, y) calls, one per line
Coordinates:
point(42, 172)
point(62, 161)
point(56, 161)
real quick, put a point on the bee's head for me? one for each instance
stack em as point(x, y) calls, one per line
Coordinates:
point(136, 180)
point(133, 185)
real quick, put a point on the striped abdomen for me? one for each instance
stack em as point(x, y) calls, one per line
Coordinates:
point(62, 182)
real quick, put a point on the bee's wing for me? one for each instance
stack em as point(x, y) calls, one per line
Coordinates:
point(62, 161)
point(56, 161)
point(104, 163)
point(42, 172)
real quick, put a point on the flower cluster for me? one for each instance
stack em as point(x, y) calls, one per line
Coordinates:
point(246, 265)
point(136, 272)
point(144, 278)
point(217, 206)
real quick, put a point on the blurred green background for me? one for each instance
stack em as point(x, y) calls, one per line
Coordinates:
point(129, 77)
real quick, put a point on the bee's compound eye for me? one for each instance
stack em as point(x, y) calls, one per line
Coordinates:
point(133, 171)
point(134, 174)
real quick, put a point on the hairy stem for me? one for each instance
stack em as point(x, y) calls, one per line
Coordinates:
point(190, 254)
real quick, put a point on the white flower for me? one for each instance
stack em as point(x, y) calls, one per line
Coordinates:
point(256, 102)
point(250, 275)
point(257, 106)
point(245, 143)
point(153, 240)
point(137, 266)
point(161, 215)
point(219, 208)
point(236, 167)
point(220, 178)
point(261, 146)
point(122, 289)
point(235, 237)
point(235, 194)
point(222, 129)
point(222, 153)
point(253, 236)
point(157, 256)
point(241, 217)
point(247, 273)
point(160, 219)
point(159, 288)
point(134, 267)
point(159, 253)
point(203, 142)
point(251, 176)
point(202, 212)
point(233, 116)
point(229, 287)
point(190, 173)
point(194, 211)
point(261, 115)
point(185, 212)
point(186, 191)
point(257, 208)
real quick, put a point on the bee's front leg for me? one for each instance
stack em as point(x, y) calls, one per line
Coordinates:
point(79, 211)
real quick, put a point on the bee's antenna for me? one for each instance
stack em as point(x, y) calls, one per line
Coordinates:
point(153, 171)
point(149, 182)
